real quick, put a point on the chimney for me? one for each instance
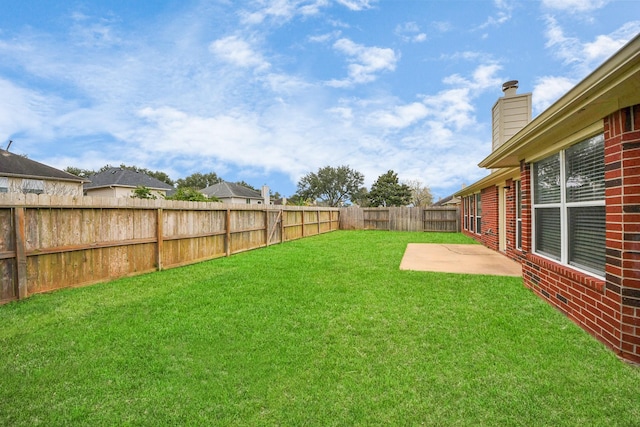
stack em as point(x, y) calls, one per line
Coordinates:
point(265, 195)
point(510, 113)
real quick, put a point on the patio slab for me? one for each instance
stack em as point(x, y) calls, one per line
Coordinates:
point(465, 259)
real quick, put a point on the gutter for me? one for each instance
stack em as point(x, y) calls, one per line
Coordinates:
point(612, 86)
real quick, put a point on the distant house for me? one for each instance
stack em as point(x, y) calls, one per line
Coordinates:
point(563, 199)
point(119, 182)
point(19, 174)
point(449, 201)
point(229, 192)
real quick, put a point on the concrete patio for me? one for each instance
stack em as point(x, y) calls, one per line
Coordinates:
point(464, 259)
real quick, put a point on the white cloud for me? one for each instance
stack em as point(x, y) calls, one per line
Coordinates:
point(549, 89)
point(400, 116)
point(22, 110)
point(282, 10)
point(575, 5)
point(357, 5)
point(410, 32)
point(364, 62)
point(503, 14)
point(100, 32)
point(585, 56)
point(323, 38)
point(238, 52)
point(605, 45)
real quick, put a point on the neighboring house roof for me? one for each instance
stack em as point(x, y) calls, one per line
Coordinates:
point(226, 190)
point(446, 201)
point(18, 166)
point(117, 177)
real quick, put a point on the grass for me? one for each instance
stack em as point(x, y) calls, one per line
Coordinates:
point(321, 331)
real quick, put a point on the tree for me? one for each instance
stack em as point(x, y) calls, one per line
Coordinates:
point(199, 180)
point(333, 186)
point(361, 198)
point(249, 186)
point(387, 191)
point(82, 173)
point(191, 195)
point(142, 192)
point(296, 200)
point(420, 195)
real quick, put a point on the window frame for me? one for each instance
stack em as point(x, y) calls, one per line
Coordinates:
point(472, 218)
point(478, 212)
point(465, 204)
point(563, 206)
point(518, 215)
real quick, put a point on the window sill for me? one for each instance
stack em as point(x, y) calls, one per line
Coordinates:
point(584, 279)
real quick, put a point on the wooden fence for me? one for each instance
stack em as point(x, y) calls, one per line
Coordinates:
point(49, 242)
point(400, 219)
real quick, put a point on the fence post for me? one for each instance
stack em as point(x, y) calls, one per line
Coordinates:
point(227, 237)
point(21, 256)
point(159, 236)
point(267, 214)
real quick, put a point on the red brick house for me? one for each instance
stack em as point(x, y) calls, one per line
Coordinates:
point(563, 198)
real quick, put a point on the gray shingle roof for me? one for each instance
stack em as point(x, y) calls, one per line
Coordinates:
point(125, 178)
point(225, 189)
point(19, 166)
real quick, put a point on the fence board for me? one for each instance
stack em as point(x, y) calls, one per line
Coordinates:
point(78, 241)
point(400, 219)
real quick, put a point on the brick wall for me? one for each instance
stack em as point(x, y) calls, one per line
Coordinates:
point(511, 223)
point(622, 179)
point(608, 309)
point(490, 220)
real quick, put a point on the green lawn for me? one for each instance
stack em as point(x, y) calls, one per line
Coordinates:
point(321, 331)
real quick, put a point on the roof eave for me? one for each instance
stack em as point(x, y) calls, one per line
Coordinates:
point(612, 86)
point(494, 178)
point(47, 178)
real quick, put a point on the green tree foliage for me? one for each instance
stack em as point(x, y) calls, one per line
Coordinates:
point(332, 186)
point(420, 194)
point(296, 200)
point(191, 195)
point(142, 192)
point(82, 173)
point(387, 191)
point(361, 198)
point(199, 180)
point(249, 186)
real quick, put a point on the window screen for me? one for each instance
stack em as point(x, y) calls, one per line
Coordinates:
point(569, 207)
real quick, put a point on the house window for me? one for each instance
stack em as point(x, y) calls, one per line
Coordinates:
point(248, 201)
point(569, 206)
point(4, 184)
point(518, 215)
point(465, 206)
point(478, 213)
point(472, 218)
point(35, 186)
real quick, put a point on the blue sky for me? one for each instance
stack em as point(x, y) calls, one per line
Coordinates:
point(267, 91)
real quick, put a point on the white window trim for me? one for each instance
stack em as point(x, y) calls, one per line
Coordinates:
point(518, 215)
point(564, 206)
point(478, 218)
